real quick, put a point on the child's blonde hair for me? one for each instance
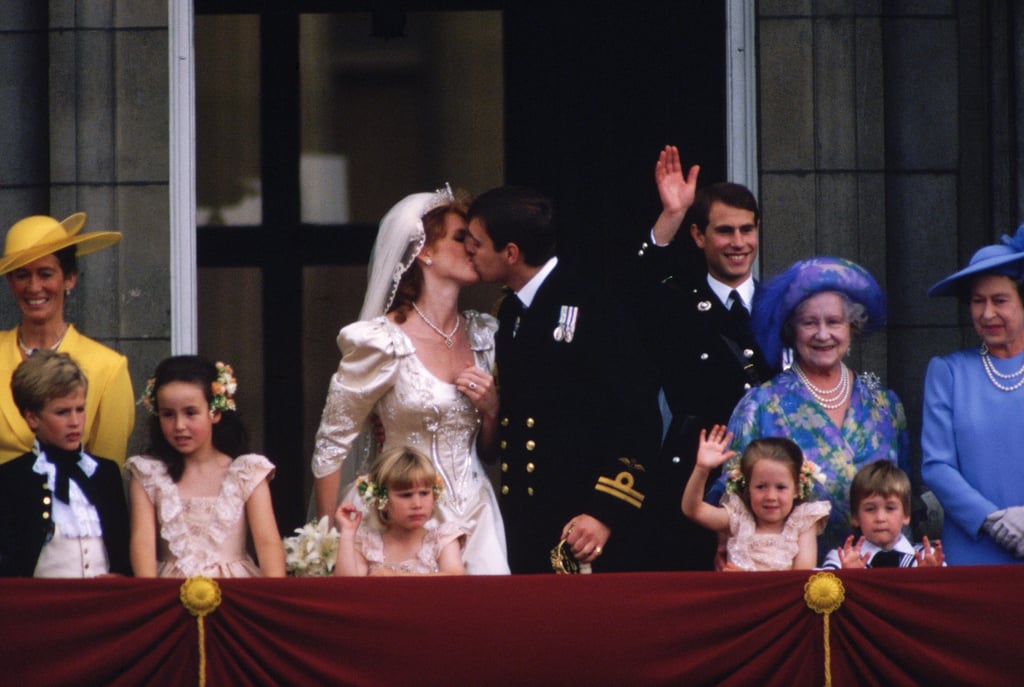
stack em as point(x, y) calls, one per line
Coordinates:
point(398, 469)
point(44, 376)
point(882, 478)
point(779, 449)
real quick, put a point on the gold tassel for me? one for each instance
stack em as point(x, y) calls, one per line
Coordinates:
point(824, 593)
point(200, 596)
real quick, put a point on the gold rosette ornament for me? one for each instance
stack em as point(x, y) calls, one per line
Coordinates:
point(200, 596)
point(824, 593)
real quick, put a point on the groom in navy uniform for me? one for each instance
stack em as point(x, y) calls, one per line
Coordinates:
point(578, 420)
point(697, 332)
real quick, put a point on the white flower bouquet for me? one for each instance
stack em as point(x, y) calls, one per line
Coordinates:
point(313, 550)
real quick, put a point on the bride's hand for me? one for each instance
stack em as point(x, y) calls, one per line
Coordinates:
point(478, 386)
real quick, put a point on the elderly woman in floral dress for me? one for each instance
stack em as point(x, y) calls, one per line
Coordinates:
point(841, 421)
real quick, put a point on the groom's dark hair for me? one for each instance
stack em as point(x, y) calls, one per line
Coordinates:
point(519, 215)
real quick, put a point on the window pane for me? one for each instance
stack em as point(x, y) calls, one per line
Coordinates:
point(382, 118)
point(228, 119)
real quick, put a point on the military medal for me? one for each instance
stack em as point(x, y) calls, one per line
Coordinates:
point(566, 328)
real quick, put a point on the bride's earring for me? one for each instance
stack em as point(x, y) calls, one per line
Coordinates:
point(428, 261)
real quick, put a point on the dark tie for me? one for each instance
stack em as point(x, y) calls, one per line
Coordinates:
point(511, 311)
point(886, 559)
point(738, 312)
point(66, 463)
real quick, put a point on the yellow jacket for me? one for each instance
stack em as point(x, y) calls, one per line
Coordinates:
point(109, 402)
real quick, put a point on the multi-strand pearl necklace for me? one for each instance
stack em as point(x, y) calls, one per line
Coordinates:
point(448, 338)
point(829, 399)
point(992, 372)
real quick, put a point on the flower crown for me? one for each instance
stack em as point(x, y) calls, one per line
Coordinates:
point(223, 389)
point(372, 492)
point(810, 474)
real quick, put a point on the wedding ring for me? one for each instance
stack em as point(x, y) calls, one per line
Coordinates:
point(472, 386)
point(598, 550)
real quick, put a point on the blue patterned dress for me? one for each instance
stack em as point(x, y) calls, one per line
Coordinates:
point(875, 428)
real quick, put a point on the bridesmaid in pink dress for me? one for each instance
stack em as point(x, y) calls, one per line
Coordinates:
point(195, 499)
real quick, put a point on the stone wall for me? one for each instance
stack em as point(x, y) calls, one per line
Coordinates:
point(888, 135)
point(84, 105)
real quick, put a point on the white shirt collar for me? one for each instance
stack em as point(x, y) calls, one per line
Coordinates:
point(76, 519)
point(746, 291)
point(902, 545)
point(529, 290)
point(42, 466)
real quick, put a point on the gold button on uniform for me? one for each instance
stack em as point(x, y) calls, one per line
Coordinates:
point(530, 467)
point(530, 445)
point(529, 491)
point(46, 516)
point(530, 422)
point(503, 444)
point(46, 500)
point(504, 422)
point(504, 466)
point(504, 490)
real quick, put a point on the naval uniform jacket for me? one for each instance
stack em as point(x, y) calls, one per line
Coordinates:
point(578, 423)
point(706, 361)
point(26, 514)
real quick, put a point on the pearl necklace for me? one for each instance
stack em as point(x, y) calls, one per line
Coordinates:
point(447, 337)
point(991, 372)
point(29, 351)
point(829, 399)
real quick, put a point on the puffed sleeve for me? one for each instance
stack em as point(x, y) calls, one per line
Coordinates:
point(810, 514)
point(370, 353)
point(940, 470)
point(151, 474)
point(481, 329)
point(250, 470)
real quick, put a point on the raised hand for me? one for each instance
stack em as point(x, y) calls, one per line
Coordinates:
point(850, 553)
point(676, 192)
point(348, 517)
point(930, 556)
point(712, 450)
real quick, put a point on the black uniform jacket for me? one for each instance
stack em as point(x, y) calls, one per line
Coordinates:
point(579, 421)
point(26, 515)
point(706, 360)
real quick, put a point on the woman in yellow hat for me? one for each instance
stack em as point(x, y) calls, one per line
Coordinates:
point(40, 262)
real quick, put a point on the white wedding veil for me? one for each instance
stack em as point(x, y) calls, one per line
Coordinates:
point(399, 240)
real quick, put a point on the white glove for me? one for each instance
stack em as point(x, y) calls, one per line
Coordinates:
point(1006, 527)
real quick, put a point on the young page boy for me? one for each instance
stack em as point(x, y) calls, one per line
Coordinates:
point(62, 512)
point(880, 504)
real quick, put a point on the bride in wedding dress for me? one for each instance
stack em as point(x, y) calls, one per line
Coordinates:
point(423, 368)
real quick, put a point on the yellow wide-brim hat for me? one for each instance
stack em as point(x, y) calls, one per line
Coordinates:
point(36, 236)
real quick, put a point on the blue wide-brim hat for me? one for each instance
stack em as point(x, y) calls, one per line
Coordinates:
point(776, 300)
point(1005, 258)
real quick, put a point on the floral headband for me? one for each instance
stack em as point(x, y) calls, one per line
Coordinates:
point(810, 474)
point(372, 492)
point(223, 389)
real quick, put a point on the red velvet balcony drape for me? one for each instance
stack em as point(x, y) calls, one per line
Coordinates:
point(896, 627)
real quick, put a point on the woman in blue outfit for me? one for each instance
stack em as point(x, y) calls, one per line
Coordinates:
point(840, 420)
point(972, 435)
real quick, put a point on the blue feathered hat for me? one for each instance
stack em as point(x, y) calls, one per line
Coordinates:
point(776, 300)
point(1005, 258)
